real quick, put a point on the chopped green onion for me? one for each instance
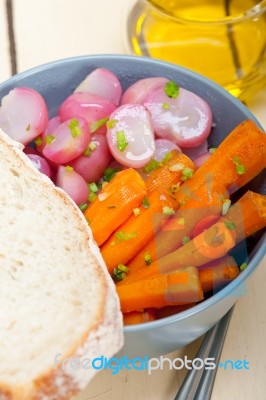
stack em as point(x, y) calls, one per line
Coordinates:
point(93, 187)
point(181, 221)
point(168, 210)
point(111, 123)
point(120, 272)
point(151, 166)
point(69, 168)
point(230, 225)
point(122, 236)
point(167, 157)
point(92, 145)
point(147, 258)
point(83, 207)
point(243, 266)
point(240, 168)
point(97, 124)
point(87, 152)
point(109, 173)
point(166, 106)
point(121, 141)
point(28, 128)
point(49, 139)
point(176, 167)
point(187, 173)
point(212, 150)
point(38, 141)
point(145, 202)
point(226, 206)
point(171, 89)
point(74, 127)
point(136, 211)
point(88, 221)
point(92, 197)
point(174, 188)
point(185, 239)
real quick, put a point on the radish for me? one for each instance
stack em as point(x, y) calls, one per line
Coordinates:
point(93, 162)
point(69, 140)
point(130, 135)
point(93, 108)
point(41, 164)
point(137, 92)
point(72, 183)
point(104, 83)
point(23, 114)
point(162, 147)
point(185, 119)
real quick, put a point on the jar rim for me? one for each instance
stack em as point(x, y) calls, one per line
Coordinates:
point(252, 12)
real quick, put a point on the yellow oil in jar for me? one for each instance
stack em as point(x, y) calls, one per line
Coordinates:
point(212, 37)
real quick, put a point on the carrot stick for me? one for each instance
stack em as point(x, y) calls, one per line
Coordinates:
point(243, 219)
point(169, 174)
point(115, 203)
point(207, 200)
point(216, 274)
point(156, 291)
point(137, 230)
point(138, 317)
point(244, 146)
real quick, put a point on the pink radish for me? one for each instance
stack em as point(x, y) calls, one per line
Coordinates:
point(97, 157)
point(104, 83)
point(130, 135)
point(137, 92)
point(68, 141)
point(93, 108)
point(186, 119)
point(201, 159)
point(162, 147)
point(23, 115)
point(52, 124)
point(73, 184)
point(41, 164)
point(195, 152)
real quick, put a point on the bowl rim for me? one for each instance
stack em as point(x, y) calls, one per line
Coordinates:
point(260, 247)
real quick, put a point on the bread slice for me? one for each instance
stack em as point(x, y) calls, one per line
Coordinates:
point(56, 297)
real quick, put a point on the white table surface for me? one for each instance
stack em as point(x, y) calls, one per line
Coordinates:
point(46, 30)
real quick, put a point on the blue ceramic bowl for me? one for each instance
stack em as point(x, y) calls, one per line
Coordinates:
point(55, 81)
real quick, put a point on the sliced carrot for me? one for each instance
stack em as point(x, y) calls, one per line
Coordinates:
point(245, 146)
point(139, 317)
point(243, 219)
point(219, 273)
point(137, 230)
point(206, 200)
point(169, 174)
point(115, 203)
point(158, 290)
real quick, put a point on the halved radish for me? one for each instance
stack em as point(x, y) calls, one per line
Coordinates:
point(72, 183)
point(137, 92)
point(201, 159)
point(23, 114)
point(52, 124)
point(68, 141)
point(92, 164)
point(162, 147)
point(41, 164)
point(195, 152)
point(186, 119)
point(130, 135)
point(95, 109)
point(104, 83)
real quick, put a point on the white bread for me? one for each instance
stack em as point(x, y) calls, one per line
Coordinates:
point(55, 293)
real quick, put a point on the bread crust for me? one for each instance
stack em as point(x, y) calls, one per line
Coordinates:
point(104, 336)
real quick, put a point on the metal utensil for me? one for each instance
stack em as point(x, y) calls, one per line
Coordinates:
point(198, 383)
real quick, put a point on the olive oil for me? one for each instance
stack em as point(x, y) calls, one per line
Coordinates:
point(221, 39)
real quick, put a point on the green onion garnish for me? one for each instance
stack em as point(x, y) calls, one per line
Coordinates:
point(171, 89)
point(185, 239)
point(111, 123)
point(83, 207)
point(69, 168)
point(109, 173)
point(93, 187)
point(230, 225)
point(74, 127)
point(187, 173)
point(38, 141)
point(136, 211)
point(49, 139)
point(121, 141)
point(147, 258)
point(97, 124)
point(145, 202)
point(168, 211)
